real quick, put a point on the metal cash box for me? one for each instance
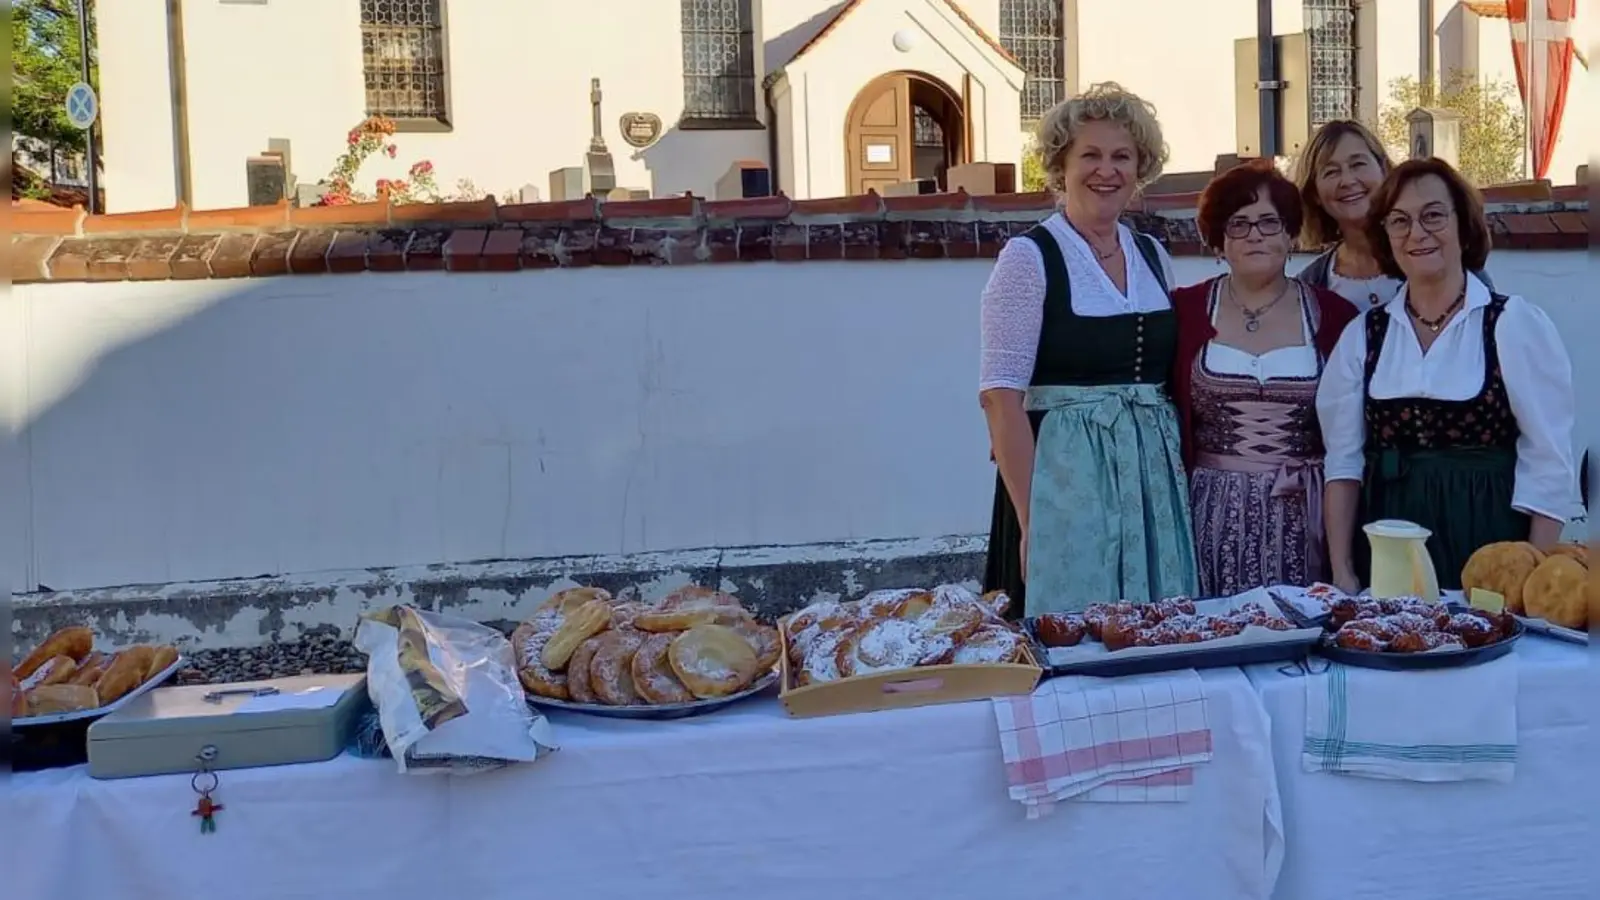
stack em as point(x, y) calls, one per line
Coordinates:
point(278, 721)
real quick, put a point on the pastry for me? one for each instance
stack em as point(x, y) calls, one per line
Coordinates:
point(125, 673)
point(1556, 592)
point(951, 617)
point(888, 644)
point(566, 601)
point(1426, 642)
point(991, 644)
point(763, 639)
point(1059, 630)
point(528, 642)
point(579, 625)
point(712, 661)
point(652, 673)
point(1577, 551)
point(819, 661)
point(50, 699)
point(56, 670)
point(611, 670)
point(1503, 568)
point(879, 604)
point(91, 668)
point(996, 603)
point(19, 700)
point(578, 685)
point(1474, 631)
point(693, 596)
point(682, 619)
point(160, 658)
point(73, 643)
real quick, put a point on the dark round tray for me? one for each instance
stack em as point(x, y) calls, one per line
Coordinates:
point(1416, 662)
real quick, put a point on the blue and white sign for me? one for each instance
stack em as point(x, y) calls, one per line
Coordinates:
point(82, 105)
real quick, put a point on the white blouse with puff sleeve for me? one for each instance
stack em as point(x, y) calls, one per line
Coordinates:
point(1538, 378)
point(1013, 300)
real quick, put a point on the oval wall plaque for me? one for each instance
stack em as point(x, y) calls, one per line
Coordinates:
point(641, 129)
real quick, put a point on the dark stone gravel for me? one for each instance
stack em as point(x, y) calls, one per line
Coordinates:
point(318, 652)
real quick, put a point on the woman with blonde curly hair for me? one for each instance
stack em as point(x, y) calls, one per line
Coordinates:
point(1078, 336)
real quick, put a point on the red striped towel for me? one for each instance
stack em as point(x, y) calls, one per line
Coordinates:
point(1110, 740)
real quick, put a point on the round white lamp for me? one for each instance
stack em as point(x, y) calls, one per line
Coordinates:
point(905, 40)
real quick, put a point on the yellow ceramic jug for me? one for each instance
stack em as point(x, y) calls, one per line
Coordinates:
point(1401, 566)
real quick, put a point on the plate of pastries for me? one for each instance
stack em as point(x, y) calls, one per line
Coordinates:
point(1411, 633)
point(65, 679)
point(1551, 592)
point(696, 650)
point(1123, 626)
point(896, 630)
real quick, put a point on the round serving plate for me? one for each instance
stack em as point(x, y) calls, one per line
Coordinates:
point(659, 712)
point(1415, 662)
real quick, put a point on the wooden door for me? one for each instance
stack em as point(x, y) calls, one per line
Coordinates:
point(878, 135)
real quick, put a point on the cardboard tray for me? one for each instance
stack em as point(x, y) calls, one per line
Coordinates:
point(905, 688)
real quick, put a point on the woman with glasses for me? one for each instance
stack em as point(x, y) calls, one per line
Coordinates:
point(1251, 345)
point(1450, 405)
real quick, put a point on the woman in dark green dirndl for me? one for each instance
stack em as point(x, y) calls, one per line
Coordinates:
point(1450, 406)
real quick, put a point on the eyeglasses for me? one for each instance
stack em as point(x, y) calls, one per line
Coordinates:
point(1433, 221)
point(1240, 228)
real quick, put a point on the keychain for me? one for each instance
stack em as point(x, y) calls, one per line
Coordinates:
point(205, 782)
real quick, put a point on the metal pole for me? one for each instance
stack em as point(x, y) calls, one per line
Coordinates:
point(1267, 86)
point(94, 157)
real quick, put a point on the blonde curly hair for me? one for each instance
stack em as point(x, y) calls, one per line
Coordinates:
point(1103, 102)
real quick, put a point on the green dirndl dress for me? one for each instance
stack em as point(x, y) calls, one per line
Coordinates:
point(1109, 509)
point(1448, 466)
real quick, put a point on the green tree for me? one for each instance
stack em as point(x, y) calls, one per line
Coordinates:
point(45, 62)
point(1033, 177)
point(1492, 128)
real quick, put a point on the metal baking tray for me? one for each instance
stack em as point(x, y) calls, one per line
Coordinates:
point(659, 712)
point(1415, 662)
point(1201, 657)
point(88, 714)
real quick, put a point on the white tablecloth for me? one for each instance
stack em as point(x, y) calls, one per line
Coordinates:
point(1352, 838)
point(743, 804)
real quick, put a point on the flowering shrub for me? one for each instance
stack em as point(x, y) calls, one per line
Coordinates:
point(375, 135)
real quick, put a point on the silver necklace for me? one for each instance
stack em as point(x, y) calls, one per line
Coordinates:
point(1102, 256)
point(1252, 317)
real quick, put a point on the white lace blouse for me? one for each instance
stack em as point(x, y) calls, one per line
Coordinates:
point(1013, 300)
point(1533, 361)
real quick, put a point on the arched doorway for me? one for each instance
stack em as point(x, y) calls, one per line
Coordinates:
point(903, 126)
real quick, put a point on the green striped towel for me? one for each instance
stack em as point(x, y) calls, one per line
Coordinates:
point(1440, 725)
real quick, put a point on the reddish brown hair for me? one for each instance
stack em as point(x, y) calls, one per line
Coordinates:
point(1472, 226)
point(1241, 186)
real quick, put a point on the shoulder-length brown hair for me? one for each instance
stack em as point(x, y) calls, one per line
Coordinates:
point(1320, 229)
point(1472, 226)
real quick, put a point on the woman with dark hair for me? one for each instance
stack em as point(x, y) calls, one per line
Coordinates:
point(1251, 345)
point(1450, 405)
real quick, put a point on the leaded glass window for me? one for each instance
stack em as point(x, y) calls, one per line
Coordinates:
point(403, 58)
point(1331, 45)
point(926, 130)
point(1031, 31)
point(719, 76)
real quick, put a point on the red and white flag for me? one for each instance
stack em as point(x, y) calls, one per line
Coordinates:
point(1542, 46)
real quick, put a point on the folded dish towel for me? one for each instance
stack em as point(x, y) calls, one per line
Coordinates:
point(1111, 740)
point(1439, 725)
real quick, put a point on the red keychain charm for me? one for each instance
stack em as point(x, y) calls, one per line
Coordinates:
point(207, 810)
point(204, 782)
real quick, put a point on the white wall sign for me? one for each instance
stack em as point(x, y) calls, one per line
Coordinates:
point(880, 154)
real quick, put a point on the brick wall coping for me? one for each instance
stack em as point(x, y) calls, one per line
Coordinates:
point(483, 236)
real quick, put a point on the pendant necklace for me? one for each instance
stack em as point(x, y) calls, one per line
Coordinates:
point(1252, 317)
point(1096, 250)
point(1434, 325)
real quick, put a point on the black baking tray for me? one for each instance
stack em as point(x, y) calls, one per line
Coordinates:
point(1420, 662)
point(1202, 657)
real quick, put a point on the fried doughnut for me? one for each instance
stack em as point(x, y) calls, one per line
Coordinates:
point(951, 615)
point(611, 670)
point(90, 670)
point(578, 626)
point(56, 670)
point(529, 642)
point(1503, 568)
point(763, 639)
point(579, 688)
point(693, 596)
point(819, 661)
point(663, 620)
point(888, 644)
point(61, 698)
point(1423, 642)
point(19, 700)
point(879, 604)
point(989, 645)
point(1578, 552)
point(805, 626)
point(1059, 629)
point(161, 657)
point(712, 661)
point(914, 605)
point(73, 643)
point(623, 614)
point(567, 601)
point(1474, 631)
point(996, 603)
point(652, 673)
point(1557, 593)
point(1360, 639)
point(125, 673)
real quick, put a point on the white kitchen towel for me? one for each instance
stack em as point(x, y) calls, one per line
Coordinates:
point(1435, 725)
point(1109, 740)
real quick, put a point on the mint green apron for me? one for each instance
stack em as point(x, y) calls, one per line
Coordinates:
point(1109, 508)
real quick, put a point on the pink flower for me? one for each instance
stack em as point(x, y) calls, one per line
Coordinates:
point(391, 150)
point(420, 168)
